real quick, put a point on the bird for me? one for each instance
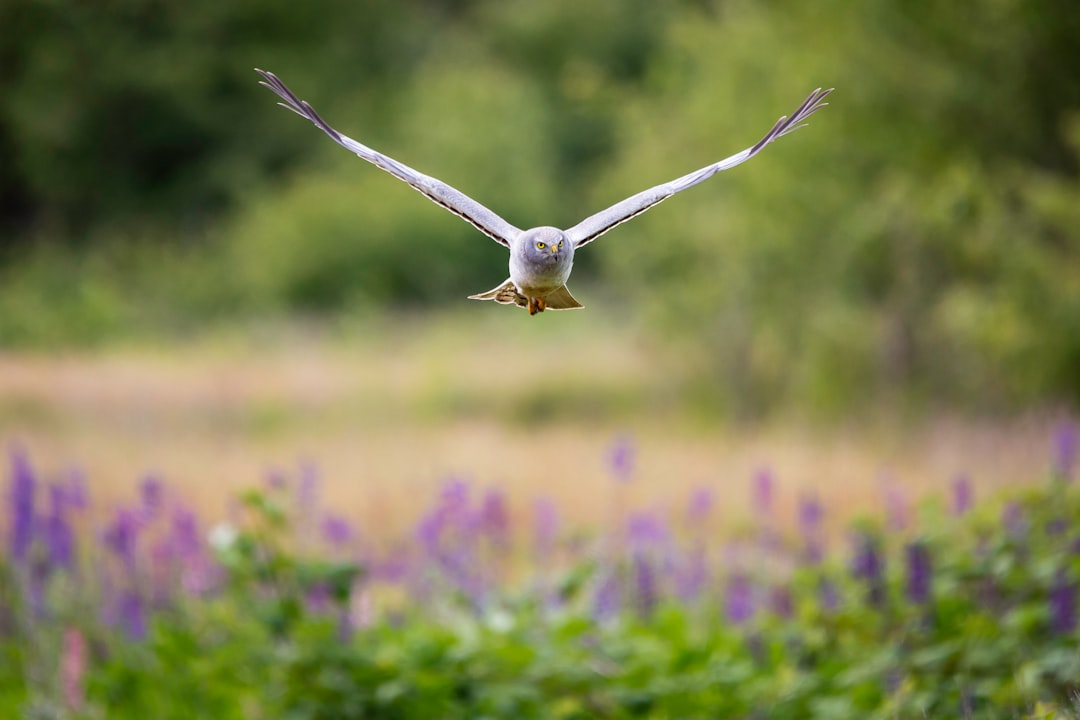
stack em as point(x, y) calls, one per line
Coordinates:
point(541, 258)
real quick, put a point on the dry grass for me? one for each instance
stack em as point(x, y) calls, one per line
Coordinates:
point(388, 413)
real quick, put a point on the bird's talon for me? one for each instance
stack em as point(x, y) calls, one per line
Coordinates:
point(536, 305)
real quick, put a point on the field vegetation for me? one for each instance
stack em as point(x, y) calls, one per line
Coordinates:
point(286, 609)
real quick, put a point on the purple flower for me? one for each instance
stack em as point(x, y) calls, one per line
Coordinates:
point(336, 530)
point(621, 458)
point(429, 532)
point(152, 493)
point(198, 572)
point(827, 594)
point(307, 502)
point(132, 615)
point(1065, 450)
point(1062, 604)
point(739, 599)
point(896, 507)
point(811, 514)
point(59, 537)
point(345, 625)
point(868, 565)
point(394, 568)
point(763, 493)
point(120, 537)
point(699, 505)
point(162, 570)
point(307, 494)
point(454, 497)
point(61, 542)
point(318, 599)
point(185, 532)
point(23, 489)
point(35, 587)
point(448, 534)
point(646, 529)
point(449, 516)
point(75, 490)
point(606, 599)
point(919, 572)
point(1015, 522)
point(692, 574)
point(780, 602)
point(275, 480)
point(545, 528)
point(961, 495)
point(646, 590)
point(495, 519)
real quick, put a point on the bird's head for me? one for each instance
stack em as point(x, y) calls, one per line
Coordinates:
point(546, 246)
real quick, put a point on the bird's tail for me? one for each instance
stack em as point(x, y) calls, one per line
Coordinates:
point(561, 299)
point(506, 293)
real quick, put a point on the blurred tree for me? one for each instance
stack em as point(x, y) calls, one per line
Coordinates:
point(919, 240)
point(139, 113)
point(894, 245)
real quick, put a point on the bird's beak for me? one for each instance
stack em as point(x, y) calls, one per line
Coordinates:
point(554, 250)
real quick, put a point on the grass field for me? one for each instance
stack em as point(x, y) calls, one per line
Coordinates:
point(387, 411)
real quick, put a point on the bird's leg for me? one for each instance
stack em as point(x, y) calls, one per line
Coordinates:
point(536, 304)
point(541, 304)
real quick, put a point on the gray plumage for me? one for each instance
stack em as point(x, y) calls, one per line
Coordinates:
point(540, 258)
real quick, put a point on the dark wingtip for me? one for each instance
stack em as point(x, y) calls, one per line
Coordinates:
point(791, 123)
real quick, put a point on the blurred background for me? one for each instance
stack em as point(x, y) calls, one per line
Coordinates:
point(196, 282)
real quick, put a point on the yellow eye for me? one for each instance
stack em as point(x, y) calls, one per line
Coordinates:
point(540, 246)
point(560, 244)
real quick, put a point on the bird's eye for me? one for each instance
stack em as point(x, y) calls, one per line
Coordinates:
point(560, 244)
point(540, 246)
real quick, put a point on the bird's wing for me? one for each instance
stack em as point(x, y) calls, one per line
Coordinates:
point(439, 192)
point(593, 227)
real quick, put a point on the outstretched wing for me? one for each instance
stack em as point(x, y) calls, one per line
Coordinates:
point(593, 227)
point(453, 200)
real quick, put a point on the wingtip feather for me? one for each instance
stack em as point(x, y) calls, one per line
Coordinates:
point(290, 107)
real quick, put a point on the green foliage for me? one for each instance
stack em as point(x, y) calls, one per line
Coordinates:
point(133, 114)
point(258, 557)
point(900, 243)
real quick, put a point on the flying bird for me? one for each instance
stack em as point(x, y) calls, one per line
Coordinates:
point(540, 258)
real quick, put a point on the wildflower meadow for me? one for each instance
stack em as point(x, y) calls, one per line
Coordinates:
point(962, 607)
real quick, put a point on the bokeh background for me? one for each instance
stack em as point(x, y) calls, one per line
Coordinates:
point(260, 457)
point(195, 282)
